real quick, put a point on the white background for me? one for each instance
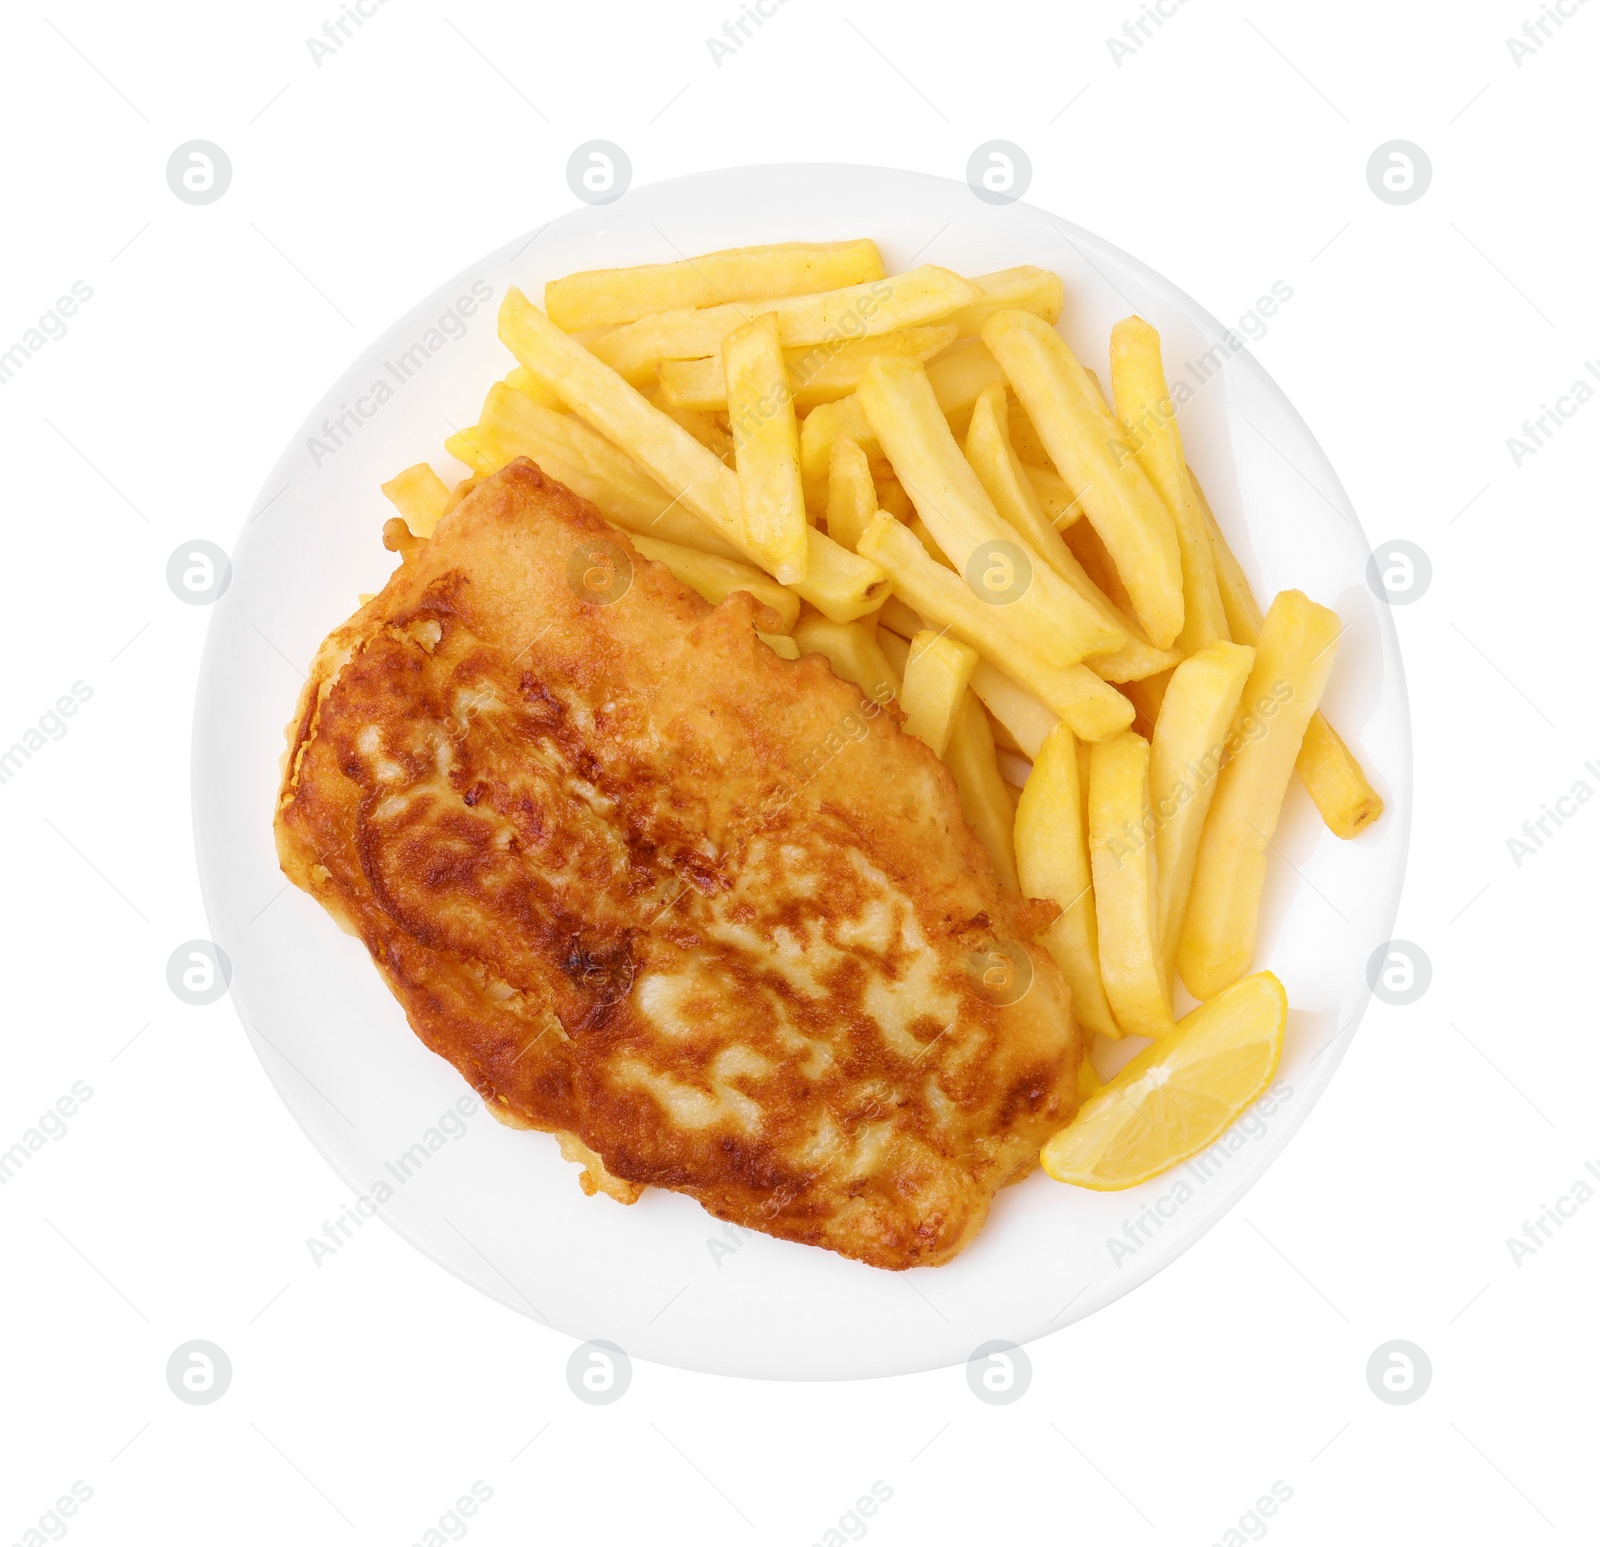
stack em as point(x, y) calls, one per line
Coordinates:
point(1228, 151)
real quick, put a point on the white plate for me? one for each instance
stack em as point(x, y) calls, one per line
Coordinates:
point(499, 1208)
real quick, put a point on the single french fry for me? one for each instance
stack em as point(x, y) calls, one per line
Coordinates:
point(781, 644)
point(1053, 863)
point(1118, 499)
point(531, 384)
point(1021, 289)
point(853, 651)
point(1031, 449)
point(598, 298)
point(420, 495)
point(985, 800)
point(933, 688)
point(1147, 414)
point(904, 413)
point(1074, 693)
point(1051, 491)
point(766, 447)
point(1187, 754)
point(716, 578)
point(852, 499)
point(819, 373)
point(1027, 721)
point(1330, 771)
point(841, 585)
point(836, 582)
point(857, 311)
point(1294, 655)
point(1335, 780)
point(1124, 864)
point(513, 425)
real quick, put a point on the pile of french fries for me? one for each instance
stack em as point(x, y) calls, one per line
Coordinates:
point(913, 475)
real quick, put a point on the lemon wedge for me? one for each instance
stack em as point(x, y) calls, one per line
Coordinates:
point(1179, 1094)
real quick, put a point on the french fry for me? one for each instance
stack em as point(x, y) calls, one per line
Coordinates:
point(479, 450)
point(1330, 771)
point(1073, 693)
point(513, 425)
point(1021, 289)
point(1335, 780)
point(717, 578)
point(1123, 861)
point(934, 686)
point(1025, 719)
point(673, 457)
point(1145, 408)
point(1294, 655)
point(985, 801)
point(853, 651)
point(529, 383)
point(781, 644)
point(904, 413)
point(880, 306)
point(1186, 758)
point(1118, 499)
point(1146, 695)
point(820, 373)
point(420, 495)
point(766, 447)
point(1013, 486)
point(822, 427)
point(1031, 449)
point(899, 619)
point(1053, 863)
point(837, 582)
point(705, 426)
point(852, 499)
point(892, 497)
point(961, 374)
point(1051, 491)
point(1000, 471)
point(598, 298)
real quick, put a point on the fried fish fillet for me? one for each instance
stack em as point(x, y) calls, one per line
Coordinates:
point(707, 915)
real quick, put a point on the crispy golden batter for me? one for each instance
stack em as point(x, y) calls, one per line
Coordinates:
point(708, 915)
